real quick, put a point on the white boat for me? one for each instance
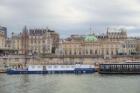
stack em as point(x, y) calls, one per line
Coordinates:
point(45, 69)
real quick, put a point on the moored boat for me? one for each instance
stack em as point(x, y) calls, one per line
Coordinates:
point(84, 69)
point(46, 69)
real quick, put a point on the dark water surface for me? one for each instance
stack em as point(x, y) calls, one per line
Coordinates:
point(69, 83)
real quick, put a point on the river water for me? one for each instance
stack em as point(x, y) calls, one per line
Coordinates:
point(69, 83)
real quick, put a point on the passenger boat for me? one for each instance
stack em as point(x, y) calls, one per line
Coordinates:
point(46, 69)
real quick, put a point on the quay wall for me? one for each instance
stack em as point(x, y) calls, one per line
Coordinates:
point(21, 60)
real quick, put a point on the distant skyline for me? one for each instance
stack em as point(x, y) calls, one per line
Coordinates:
point(71, 16)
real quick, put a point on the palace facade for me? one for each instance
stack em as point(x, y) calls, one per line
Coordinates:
point(30, 41)
point(2, 40)
point(47, 42)
point(39, 41)
point(106, 45)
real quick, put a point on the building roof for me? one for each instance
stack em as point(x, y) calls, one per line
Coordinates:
point(90, 38)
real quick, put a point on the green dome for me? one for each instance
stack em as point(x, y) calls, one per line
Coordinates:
point(90, 38)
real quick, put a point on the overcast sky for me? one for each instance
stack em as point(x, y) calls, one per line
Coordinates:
point(71, 16)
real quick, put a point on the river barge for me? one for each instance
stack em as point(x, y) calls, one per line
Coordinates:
point(47, 69)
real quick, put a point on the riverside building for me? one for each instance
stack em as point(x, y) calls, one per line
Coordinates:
point(112, 43)
point(2, 40)
point(39, 41)
point(45, 41)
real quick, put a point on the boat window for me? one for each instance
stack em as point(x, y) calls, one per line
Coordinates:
point(67, 66)
point(55, 66)
point(39, 66)
point(49, 66)
point(72, 66)
point(33, 66)
point(62, 66)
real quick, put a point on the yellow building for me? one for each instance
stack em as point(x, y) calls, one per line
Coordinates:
point(92, 45)
point(97, 48)
point(129, 46)
point(138, 45)
point(42, 41)
point(2, 40)
point(16, 42)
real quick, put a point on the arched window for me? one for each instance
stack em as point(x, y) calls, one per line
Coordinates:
point(86, 51)
point(116, 51)
point(91, 51)
point(83, 52)
point(95, 52)
point(102, 52)
point(74, 52)
point(112, 52)
point(65, 52)
point(79, 52)
point(107, 52)
point(70, 52)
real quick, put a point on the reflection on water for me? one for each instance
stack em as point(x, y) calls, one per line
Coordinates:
point(69, 83)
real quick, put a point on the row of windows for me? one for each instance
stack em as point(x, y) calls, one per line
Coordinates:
point(62, 66)
point(131, 42)
point(116, 36)
point(39, 37)
point(87, 47)
point(37, 41)
point(129, 46)
point(55, 66)
point(35, 36)
point(88, 52)
point(132, 50)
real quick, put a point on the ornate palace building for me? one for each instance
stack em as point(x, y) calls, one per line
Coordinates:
point(138, 45)
point(30, 41)
point(39, 41)
point(45, 41)
point(2, 39)
point(105, 45)
point(3, 36)
point(4, 30)
point(5, 43)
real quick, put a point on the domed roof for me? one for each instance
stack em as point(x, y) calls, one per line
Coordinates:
point(90, 38)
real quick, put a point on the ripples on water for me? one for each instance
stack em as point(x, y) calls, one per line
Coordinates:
point(69, 83)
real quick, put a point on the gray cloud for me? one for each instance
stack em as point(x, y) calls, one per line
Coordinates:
point(71, 16)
